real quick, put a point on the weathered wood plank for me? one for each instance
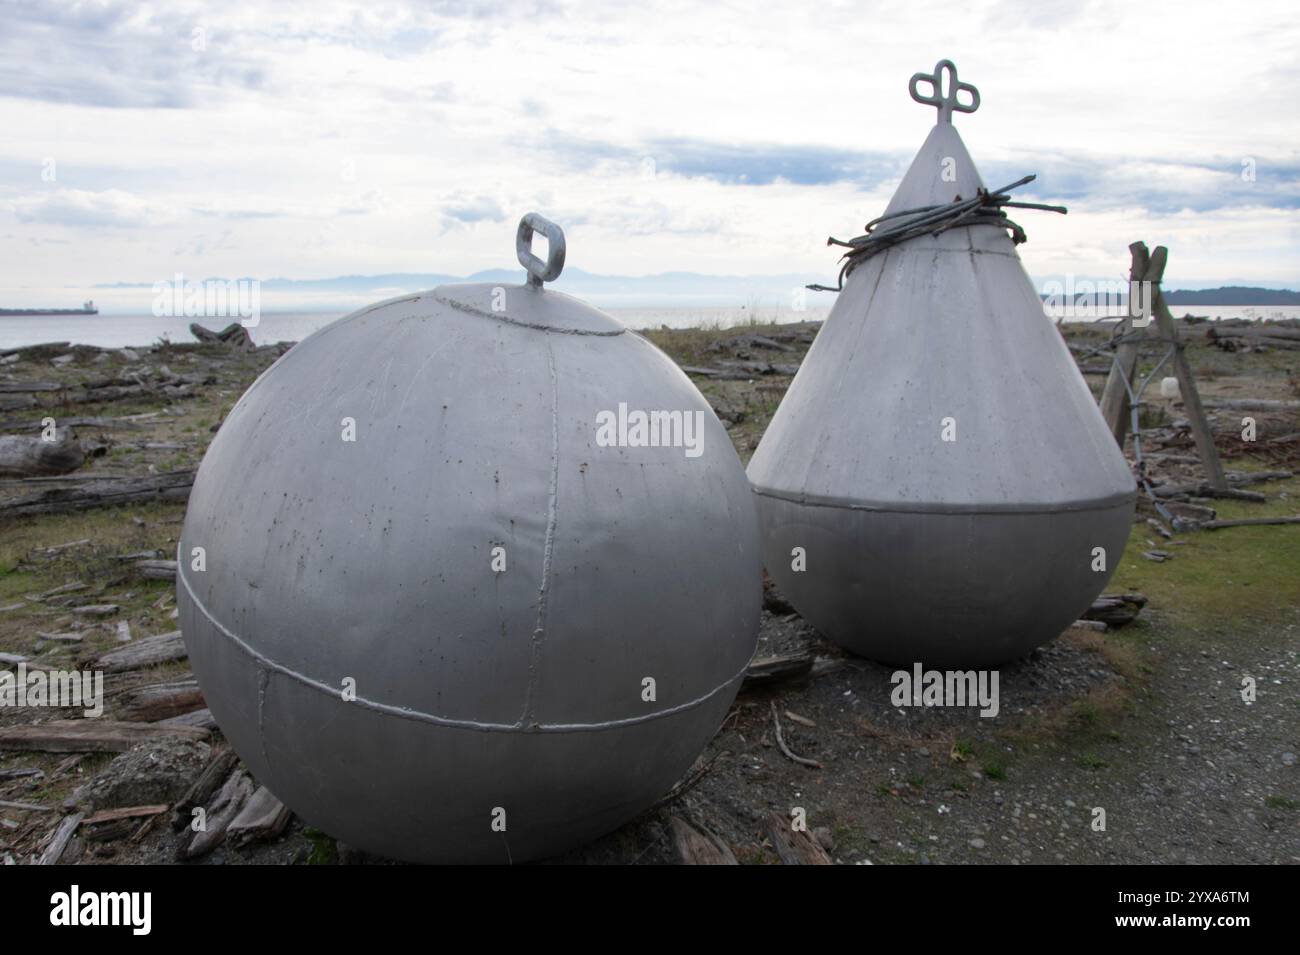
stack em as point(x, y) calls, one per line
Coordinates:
point(59, 841)
point(201, 718)
point(1250, 522)
point(161, 701)
point(1251, 404)
point(220, 764)
point(1116, 610)
point(221, 812)
point(263, 817)
point(26, 806)
point(695, 848)
point(1114, 397)
point(23, 457)
point(88, 736)
point(1201, 430)
point(126, 812)
point(171, 486)
point(149, 651)
point(765, 671)
point(795, 847)
point(156, 569)
point(1261, 330)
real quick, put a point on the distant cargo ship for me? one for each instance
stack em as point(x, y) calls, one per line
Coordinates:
point(87, 308)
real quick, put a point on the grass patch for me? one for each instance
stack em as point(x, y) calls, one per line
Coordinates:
point(26, 568)
point(324, 850)
point(1090, 760)
point(1225, 577)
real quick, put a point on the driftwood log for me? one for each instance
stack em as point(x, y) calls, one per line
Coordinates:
point(1252, 404)
point(263, 817)
point(203, 719)
point(89, 736)
point(741, 370)
point(156, 569)
point(1188, 511)
point(1250, 522)
point(765, 671)
point(38, 351)
point(1116, 610)
point(1205, 490)
point(160, 701)
point(220, 764)
point(221, 812)
point(163, 648)
point(1250, 342)
point(795, 847)
point(18, 402)
point(171, 486)
point(60, 838)
point(96, 392)
point(22, 456)
point(1234, 478)
point(27, 387)
point(235, 335)
point(696, 848)
point(1217, 330)
point(106, 424)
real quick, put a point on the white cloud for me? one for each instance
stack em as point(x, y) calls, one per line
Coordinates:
point(320, 138)
point(78, 208)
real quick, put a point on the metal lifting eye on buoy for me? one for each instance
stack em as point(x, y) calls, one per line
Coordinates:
point(539, 271)
point(946, 104)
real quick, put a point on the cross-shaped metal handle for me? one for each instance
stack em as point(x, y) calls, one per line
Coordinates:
point(949, 103)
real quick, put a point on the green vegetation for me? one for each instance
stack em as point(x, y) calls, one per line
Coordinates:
point(993, 769)
point(324, 850)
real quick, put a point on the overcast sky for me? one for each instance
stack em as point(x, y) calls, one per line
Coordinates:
point(314, 139)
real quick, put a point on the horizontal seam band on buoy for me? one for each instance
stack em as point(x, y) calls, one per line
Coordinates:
point(906, 507)
point(409, 714)
point(502, 317)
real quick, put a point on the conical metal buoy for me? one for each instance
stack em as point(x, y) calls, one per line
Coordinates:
point(938, 485)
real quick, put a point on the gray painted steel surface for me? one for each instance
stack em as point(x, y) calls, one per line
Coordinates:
point(953, 553)
point(371, 560)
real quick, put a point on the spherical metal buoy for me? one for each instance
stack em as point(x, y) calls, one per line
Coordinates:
point(471, 575)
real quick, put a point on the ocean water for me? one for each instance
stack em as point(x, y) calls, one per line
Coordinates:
point(116, 331)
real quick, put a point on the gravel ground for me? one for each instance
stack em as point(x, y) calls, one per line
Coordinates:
point(1185, 770)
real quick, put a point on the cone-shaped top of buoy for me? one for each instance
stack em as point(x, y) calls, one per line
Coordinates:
point(940, 328)
point(942, 170)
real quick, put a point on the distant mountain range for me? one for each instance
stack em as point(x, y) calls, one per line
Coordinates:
point(1233, 295)
point(665, 289)
point(1225, 296)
